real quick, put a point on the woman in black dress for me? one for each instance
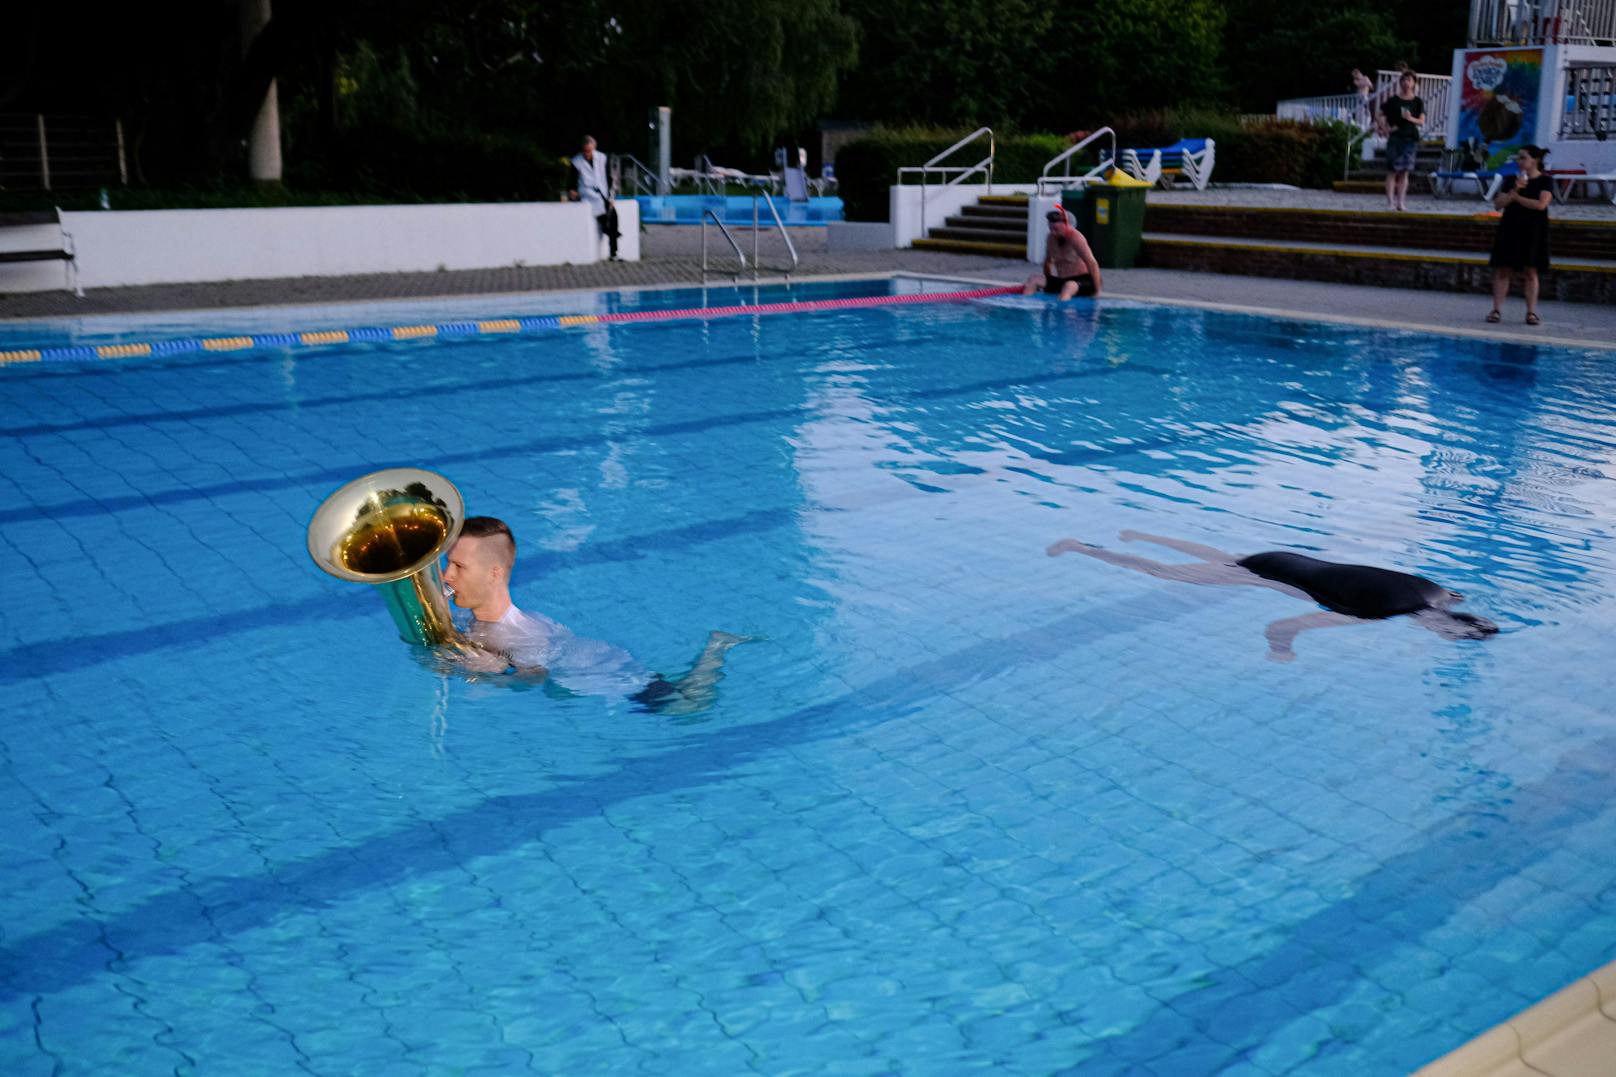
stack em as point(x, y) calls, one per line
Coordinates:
point(1523, 232)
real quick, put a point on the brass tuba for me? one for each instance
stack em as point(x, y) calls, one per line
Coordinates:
point(388, 528)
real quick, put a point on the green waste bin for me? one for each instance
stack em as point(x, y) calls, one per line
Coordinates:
point(1112, 218)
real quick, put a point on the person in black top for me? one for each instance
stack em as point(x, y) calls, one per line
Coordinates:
point(1523, 232)
point(1350, 594)
point(1401, 119)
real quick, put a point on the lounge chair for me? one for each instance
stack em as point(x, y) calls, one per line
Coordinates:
point(1191, 158)
point(1566, 182)
point(1145, 171)
point(1487, 180)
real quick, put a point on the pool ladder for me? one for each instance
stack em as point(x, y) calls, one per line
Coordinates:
point(791, 248)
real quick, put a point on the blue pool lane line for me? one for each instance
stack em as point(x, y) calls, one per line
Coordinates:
point(316, 338)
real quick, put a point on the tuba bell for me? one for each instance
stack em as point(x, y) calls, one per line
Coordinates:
point(388, 529)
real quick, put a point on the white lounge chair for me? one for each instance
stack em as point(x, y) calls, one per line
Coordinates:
point(1191, 158)
point(1147, 171)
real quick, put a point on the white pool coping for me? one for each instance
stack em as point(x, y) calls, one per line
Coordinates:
point(1572, 1033)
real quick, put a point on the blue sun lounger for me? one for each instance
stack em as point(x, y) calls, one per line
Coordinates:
point(1487, 181)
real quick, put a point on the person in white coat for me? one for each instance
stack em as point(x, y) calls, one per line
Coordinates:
point(591, 186)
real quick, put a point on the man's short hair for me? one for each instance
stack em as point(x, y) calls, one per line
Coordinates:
point(587, 140)
point(489, 527)
point(1055, 215)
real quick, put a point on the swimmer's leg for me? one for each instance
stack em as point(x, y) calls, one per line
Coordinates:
point(1193, 573)
point(696, 690)
point(1281, 634)
point(1194, 549)
point(1068, 290)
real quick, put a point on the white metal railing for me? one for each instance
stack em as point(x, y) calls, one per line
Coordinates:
point(1543, 22)
point(778, 223)
point(1342, 107)
point(736, 247)
point(959, 172)
point(1590, 102)
point(643, 180)
point(1361, 112)
point(1047, 180)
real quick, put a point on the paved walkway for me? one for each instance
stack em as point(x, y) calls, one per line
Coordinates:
point(1458, 205)
point(672, 258)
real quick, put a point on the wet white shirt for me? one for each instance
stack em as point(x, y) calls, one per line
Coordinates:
point(577, 663)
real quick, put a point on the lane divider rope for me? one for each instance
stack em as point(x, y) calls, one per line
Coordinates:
point(316, 338)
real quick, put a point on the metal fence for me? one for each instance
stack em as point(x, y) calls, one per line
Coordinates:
point(1590, 110)
point(1353, 109)
point(60, 153)
point(1543, 22)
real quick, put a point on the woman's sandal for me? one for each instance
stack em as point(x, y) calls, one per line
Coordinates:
point(1532, 319)
point(1495, 316)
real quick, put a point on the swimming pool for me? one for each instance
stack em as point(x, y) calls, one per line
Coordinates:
point(967, 806)
point(735, 209)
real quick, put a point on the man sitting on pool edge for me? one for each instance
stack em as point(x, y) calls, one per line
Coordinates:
point(478, 577)
point(1069, 265)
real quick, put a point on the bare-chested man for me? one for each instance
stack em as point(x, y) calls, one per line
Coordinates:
point(1069, 265)
point(1350, 594)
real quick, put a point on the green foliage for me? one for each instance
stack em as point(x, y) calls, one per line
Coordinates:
point(1271, 151)
point(1277, 49)
point(967, 62)
point(1142, 54)
point(437, 164)
point(866, 168)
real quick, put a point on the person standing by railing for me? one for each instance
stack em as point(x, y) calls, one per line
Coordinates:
point(1401, 119)
point(1363, 85)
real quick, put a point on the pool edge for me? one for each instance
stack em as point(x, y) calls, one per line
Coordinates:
point(1565, 1035)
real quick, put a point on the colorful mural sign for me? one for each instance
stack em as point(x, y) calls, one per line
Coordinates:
point(1498, 95)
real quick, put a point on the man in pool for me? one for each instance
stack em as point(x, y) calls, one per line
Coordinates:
point(1069, 265)
point(1350, 594)
point(479, 577)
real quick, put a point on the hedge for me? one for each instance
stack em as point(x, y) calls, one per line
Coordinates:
point(1271, 151)
point(362, 168)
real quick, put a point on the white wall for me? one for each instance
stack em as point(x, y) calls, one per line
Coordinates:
point(941, 202)
point(180, 246)
point(1590, 155)
point(1038, 227)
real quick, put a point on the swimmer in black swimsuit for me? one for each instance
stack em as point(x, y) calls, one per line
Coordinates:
point(1350, 594)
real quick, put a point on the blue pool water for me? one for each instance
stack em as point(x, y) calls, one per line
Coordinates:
point(735, 209)
point(967, 807)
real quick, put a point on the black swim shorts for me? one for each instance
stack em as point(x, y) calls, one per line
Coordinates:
point(1053, 285)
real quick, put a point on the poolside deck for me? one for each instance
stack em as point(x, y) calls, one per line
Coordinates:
point(672, 257)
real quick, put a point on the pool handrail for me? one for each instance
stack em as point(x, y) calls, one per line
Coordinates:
point(736, 247)
point(778, 223)
point(641, 175)
point(1066, 179)
point(985, 166)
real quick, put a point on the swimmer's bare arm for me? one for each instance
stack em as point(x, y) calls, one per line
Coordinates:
point(1281, 634)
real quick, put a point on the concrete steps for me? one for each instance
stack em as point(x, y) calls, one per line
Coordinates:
point(1577, 240)
point(996, 225)
point(1573, 280)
